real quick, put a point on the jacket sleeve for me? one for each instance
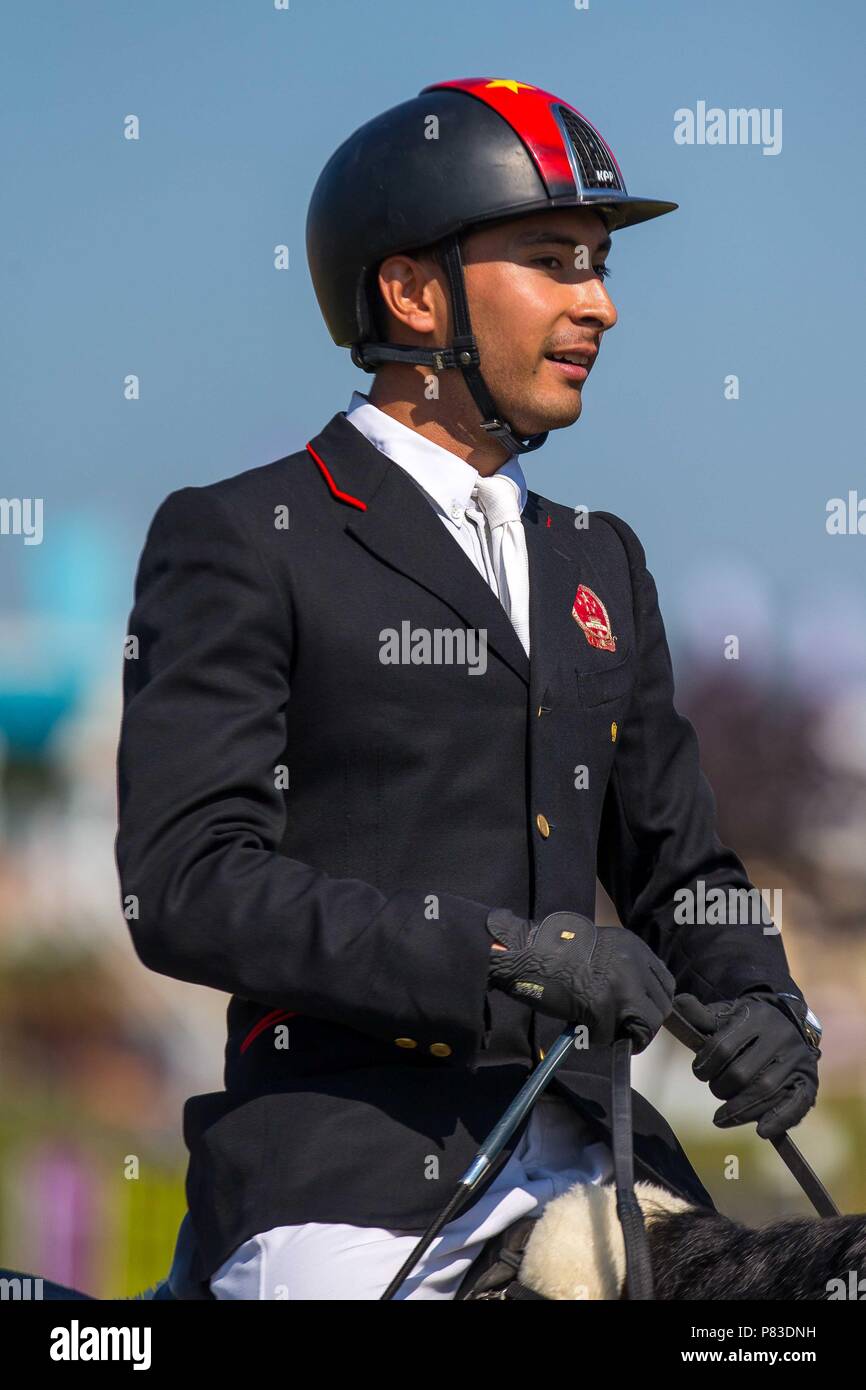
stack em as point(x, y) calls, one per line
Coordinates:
point(658, 832)
point(206, 894)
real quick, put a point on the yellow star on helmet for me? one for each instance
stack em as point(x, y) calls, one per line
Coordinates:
point(510, 83)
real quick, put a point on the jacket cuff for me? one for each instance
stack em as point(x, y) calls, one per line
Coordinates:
point(428, 993)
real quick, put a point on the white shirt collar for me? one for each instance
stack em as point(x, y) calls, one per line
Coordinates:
point(447, 479)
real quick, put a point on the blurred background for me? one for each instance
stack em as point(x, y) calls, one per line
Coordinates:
point(154, 258)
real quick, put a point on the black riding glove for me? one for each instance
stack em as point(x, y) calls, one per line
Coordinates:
point(757, 1058)
point(567, 968)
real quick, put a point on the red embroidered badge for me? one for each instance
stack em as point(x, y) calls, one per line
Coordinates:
point(590, 613)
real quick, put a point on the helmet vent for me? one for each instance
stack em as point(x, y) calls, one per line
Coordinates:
point(591, 157)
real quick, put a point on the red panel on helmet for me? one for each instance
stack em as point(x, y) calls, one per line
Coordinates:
point(527, 110)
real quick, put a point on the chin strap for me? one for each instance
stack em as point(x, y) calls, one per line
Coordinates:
point(463, 354)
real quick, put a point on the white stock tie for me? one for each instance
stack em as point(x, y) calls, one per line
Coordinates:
point(503, 540)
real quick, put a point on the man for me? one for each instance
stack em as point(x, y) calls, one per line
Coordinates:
point(390, 715)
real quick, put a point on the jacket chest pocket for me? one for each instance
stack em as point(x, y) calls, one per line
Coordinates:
point(606, 685)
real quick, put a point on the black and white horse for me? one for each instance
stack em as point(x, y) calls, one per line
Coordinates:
point(576, 1251)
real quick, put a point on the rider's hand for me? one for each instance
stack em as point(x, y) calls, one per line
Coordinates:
point(570, 969)
point(757, 1058)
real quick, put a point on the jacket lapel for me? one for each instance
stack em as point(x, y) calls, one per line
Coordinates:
point(552, 583)
point(389, 514)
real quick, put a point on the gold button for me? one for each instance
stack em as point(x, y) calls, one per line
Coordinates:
point(540, 708)
point(541, 1054)
point(543, 824)
point(613, 732)
point(440, 1049)
point(405, 1042)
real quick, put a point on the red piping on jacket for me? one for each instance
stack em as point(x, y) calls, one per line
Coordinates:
point(275, 1016)
point(343, 496)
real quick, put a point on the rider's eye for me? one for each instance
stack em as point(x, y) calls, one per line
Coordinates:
point(602, 271)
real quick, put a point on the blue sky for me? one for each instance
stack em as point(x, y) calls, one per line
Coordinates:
point(155, 257)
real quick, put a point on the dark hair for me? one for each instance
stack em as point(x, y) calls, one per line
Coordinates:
point(434, 250)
